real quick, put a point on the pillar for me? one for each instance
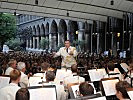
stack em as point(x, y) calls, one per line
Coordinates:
point(50, 40)
point(53, 45)
point(114, 46)
point(27, 43)
point(31, 42)
point(68, 36)
point(34, 42)
point(98, 43)
point(131, 44)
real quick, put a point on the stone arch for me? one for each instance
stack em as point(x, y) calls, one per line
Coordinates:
point(30, 39)
point(62, 32)
point(47, 29)
point(42, 33)
point(72, 28)
point(38, 30)
point(34, 30)
point(38, 36)
point(54, 35)
point(54, 28)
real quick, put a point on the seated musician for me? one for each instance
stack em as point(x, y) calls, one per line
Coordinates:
point(50, 77)
point(121, 92)
point(111, 72)
point(86, 89)
point(74, 78)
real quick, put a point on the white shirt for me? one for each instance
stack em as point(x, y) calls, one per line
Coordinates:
point(111, 76)
point(9, 92)
point(67, 59)
point(73, 79)
point(24, 80)
point(8, 70)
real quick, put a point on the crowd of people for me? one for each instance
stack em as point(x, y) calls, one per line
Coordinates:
point(20, 66)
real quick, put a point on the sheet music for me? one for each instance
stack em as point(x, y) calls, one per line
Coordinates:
point(96, 75)
point(109, 87)
point(4, 81)
point(61, 74)
point(130, 93)
point(124, 66)
point(42, 94)
point(75, 89)
point(39, 75)
point(34, 81)
point(116, 70)
point(99, 98)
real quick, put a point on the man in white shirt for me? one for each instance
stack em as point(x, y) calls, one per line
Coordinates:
point(68, 54)
point(61, 94)
point(111, 72)
point(24, 78)
point(12, 65)
point(74, 78)
point(9, 92)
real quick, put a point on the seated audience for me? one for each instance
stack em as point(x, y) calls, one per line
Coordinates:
point(12, 65)
point(74, 78)
point(50, 76)
point(86, 89)
point(45, 66)
point(121, 92)
point(24, 78)
point(9, 92)
point(23, 94)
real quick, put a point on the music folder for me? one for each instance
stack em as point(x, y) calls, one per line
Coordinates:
point(43, 92)
point(108, 86)
point(75, 90)
point(4, 81)
point(130, 93)
point(96, 74)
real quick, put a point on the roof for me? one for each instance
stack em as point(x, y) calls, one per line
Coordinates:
point(79, 10)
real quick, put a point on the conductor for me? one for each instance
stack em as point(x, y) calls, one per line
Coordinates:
point(68, 54)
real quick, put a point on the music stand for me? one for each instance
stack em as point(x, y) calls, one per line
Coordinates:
point(106, 83)
point(4, 80)
point(43, 92)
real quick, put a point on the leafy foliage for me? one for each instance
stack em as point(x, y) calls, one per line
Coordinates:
point(14, 44)
point(7, 27)
point(44, 43)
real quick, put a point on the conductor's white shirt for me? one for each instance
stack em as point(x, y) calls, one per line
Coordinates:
point(67, 59)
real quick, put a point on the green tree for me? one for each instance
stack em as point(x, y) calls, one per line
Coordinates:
point(44, 43)
point(7, 27)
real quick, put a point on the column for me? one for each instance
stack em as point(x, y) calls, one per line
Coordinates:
point(131, 43)
point(47, 38)
point(31, 42)
point(34, 42)
point(80, 34)
point(54, 41)
point(98, 43)
point(114, 47)
point(50, 37)
point(59, 39)
point(68, 36)
point(37, 42)
point(27, 43)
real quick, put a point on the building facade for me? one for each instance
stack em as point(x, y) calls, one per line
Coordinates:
point(92, 36)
